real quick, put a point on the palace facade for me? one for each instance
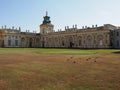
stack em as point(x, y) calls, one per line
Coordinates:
point(106, 36)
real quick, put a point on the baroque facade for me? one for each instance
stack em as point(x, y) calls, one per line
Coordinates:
point(106, 36)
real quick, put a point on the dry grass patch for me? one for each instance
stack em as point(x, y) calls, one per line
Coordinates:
point(59, 72)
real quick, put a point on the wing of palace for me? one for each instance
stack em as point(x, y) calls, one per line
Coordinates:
point(106, 36)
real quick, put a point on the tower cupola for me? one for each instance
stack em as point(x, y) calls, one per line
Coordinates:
point(46, 19)
point(46, 26)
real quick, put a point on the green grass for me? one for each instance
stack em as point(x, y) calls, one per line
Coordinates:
point(55, 51)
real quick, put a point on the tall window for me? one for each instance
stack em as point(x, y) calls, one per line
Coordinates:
point(16, 42)
point(9, 42)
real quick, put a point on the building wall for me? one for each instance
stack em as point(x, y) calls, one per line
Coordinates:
point(91, 38)
point(106, 36)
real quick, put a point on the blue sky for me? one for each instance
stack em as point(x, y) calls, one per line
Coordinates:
point(28, 14)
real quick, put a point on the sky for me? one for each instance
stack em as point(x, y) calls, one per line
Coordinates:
point(28, 14)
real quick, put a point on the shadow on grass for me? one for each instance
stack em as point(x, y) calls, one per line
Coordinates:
point(117, 52)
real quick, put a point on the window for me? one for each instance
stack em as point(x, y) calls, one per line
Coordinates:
point(16, 42)
point(9, 42)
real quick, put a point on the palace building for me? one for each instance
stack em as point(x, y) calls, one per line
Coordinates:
point(106, 36)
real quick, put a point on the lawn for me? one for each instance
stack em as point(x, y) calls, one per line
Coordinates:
point(53, 51)
point(59, 69)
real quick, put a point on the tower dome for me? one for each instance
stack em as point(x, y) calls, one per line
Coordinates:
point(46, 26)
